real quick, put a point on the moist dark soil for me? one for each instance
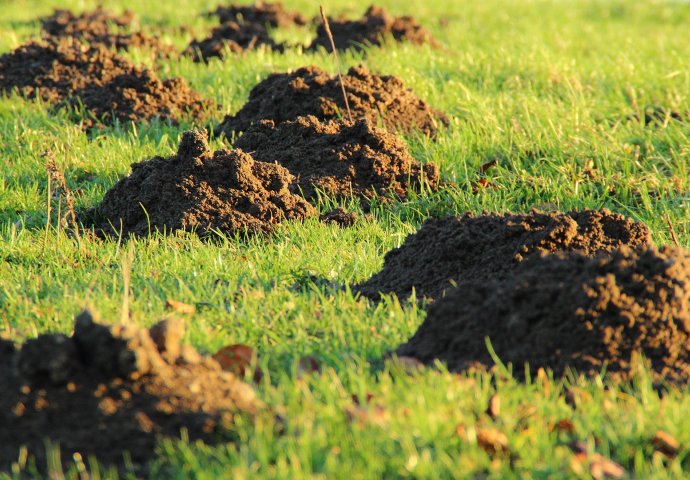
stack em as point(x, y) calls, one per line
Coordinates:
point(233, 36)
point(371, 29)
point(99, 26)
point(67, 72)
point(341, 159)
point(489, 247)
point(107, 390)
point(311, 91)
point(340, 217)
point(266, 14)
point(200, 190)
point(569, 310)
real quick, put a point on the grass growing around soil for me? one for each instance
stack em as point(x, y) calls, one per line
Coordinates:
point(542, 87)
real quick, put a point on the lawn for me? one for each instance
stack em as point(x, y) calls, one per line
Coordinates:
point(546, 88)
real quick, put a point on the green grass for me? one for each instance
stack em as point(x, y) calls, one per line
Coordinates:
point(542, 86)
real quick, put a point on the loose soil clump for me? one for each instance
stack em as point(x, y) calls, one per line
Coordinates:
point(371, 29)
point(340, 217)
point(200, 190)
point(341, 159)
point(311, 91)
point(68, 73)
point(107, 390)
point(569, 310)
point(271, 14)
point(489, 247)
point(232, 36)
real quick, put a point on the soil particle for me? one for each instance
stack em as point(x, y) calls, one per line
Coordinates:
point(371, 29)
point(490, 246)
point(232, 36)
point(202, 191)
point(341, 159)
point(66, 72)
point(340, 217)
point(108, 390)
point(311, 91)
point(271, 14)
point(568, 310)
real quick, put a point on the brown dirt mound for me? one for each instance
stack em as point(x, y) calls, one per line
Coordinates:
point(271, 14)
point(233, 36)
point(107, 390)
point(108, 86)
point(371, 29)
point(200, 190)
point(97, 26)
point(341, 159)
point(570, 310)
point(311, 91)
point(469, 248)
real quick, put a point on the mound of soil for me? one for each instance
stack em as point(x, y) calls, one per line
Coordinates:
point(233, 36)
point(97, 26)
point(342, 159)
point(108, 86)
point(470, 248)
point(371, 29)
point(311, 91)
point(266, 14)
point(107, 390)
point(202, 191)
point(570, 311)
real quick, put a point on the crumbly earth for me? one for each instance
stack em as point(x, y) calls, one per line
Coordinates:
point(467, 248)
point(108, 390)
point(311, 91)
point(200, 190)
point(340, 217)
point(271, 14)
point(67, 72)
point(341, 159)
point(371, 29)
point(233, 36)
point(570, 311)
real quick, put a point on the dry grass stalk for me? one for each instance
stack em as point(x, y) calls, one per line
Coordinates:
point(337, 60)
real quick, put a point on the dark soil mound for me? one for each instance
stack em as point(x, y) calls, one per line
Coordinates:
point(233, 36)
point(341, 159)
point(203, 191)
point(108, 86)
point(570, 310)
point(470, 248)
point(271, 14)
point(340, 217)
point(108, 390)
point(371, 29)
point(311, 91)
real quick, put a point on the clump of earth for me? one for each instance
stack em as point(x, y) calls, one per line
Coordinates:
point(232, 36)
point(267, 14)
point(569, 311)
point(111, 389)
point(339, 216)
point(200, 190)
point(311, 91)
point(371, 29)
point(70, 73)
point(454, 250)
point(340, 159)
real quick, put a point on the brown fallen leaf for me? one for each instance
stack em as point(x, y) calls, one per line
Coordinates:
point(237, 359)
point(492, 441)
point(564, 425)
point(602, 467)
point(180, 307)
point(494, 408)
point(488, 165)
point(665, 443)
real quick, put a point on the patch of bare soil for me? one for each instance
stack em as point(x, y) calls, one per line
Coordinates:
point(564, 311)
point(341, 159)
point(66, 72)
point(233, 36)
point(107, 390)
point(371, 29)
point(311, 91)
point(261, 13)
point(99, 26)
point(200, 190)
point(468, 248)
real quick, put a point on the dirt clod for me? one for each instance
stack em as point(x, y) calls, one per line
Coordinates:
point(340, 217)
point(202, 191)
point(341, 159)
point(311, 91)
point(469, 248)
point(568, 310)
point(371, 29)
point(232, 36)
point(271, 14)
point(74, 391)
